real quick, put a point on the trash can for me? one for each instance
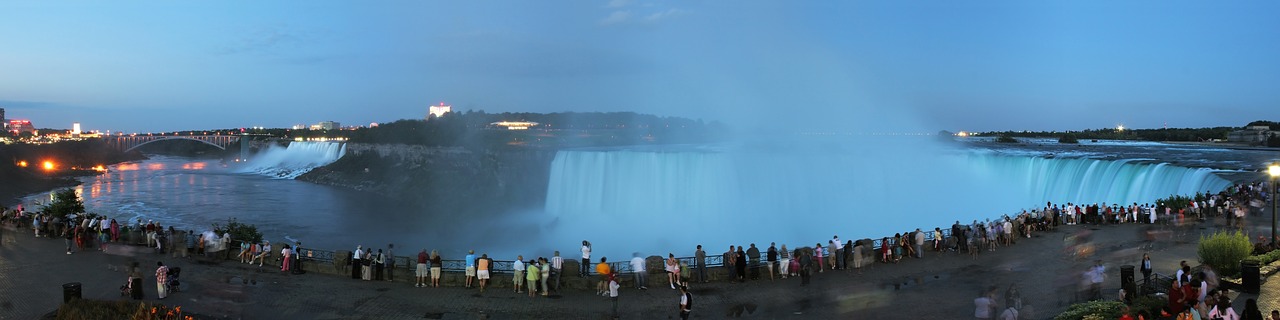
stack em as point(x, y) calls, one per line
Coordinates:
point(1250, 277)
point(1127, 282)
point(70, 291)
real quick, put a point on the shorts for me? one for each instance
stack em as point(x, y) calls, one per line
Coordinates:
point(471, 272)
point(422, 270)
point(483, 275)
point(435, 272)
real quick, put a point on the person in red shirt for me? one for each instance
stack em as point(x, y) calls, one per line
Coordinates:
point(421, 272)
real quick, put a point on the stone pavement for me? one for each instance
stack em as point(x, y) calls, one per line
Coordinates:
point(940, 286)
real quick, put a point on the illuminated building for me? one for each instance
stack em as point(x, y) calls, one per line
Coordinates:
point(515, 125)
point(75, 129)
point(438, 111)
point(326, 125)
point(2, 122)
point(21, 126)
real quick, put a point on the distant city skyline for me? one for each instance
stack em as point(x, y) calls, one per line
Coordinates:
point(153, 66)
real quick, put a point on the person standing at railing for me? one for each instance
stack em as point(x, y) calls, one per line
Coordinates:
point(638, 269)
point(784, 265)
point(919, 243)
point(603, 270)
point(421, 272)
point(557, 268)
point(390, 261)
point(754, 254)
point(482, 270)
point(741, 264)
point(517, 271)
point(771, 259)
point(379, 261)
point(700, 257)
point(356, 265)
point(471, 267)
point(584, 269)
point(730, 262)
point(837, 252)
point(532, 275)
point(546, 273)
point(436, 265)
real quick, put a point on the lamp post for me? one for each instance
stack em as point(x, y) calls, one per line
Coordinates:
point(1274, 171)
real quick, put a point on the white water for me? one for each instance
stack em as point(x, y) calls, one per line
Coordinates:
point(682, 198)
point(295, 160)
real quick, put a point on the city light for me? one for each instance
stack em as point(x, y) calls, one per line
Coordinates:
point(1120, 127)
point(22, 163)
point(49, 166)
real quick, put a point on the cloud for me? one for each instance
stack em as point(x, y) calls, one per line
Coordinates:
point(616, 17)
point(264, 40)
point(669, 13)
point(618, 3)
point(23, 104)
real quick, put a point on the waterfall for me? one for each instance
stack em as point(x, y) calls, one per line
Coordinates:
point(728, 197)
point(296, 159)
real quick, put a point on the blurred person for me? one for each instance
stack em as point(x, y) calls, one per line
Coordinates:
point(640, 273)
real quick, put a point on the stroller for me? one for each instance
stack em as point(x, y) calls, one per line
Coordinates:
point(173, 284)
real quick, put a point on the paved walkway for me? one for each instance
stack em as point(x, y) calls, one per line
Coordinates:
point(940, 286)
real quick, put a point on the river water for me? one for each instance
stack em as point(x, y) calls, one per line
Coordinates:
point(648, 200)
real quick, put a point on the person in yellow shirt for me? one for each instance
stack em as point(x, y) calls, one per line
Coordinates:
point(603, 270)
point(531, 276)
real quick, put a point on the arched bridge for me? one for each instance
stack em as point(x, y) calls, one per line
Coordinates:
point(128, 143)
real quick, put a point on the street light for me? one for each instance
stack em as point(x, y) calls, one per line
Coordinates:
point(1274, 171)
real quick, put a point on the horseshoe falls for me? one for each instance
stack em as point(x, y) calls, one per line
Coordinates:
point(719, 197)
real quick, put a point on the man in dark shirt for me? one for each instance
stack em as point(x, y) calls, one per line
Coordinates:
point(701, 257)
point(772, 256)
point(754, 255)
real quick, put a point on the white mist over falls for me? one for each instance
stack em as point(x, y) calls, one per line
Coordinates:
point(294, 160)
point(673, 198)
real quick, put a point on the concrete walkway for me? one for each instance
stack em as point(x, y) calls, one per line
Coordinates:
point(940, 286)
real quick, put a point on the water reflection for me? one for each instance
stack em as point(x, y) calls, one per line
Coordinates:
point(191, 194)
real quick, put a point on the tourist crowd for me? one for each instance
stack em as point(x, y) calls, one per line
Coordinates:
point(540, 276)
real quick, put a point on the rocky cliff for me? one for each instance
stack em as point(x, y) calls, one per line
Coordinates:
point(443, 179)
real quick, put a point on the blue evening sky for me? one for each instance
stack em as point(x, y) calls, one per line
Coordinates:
point(918, 66)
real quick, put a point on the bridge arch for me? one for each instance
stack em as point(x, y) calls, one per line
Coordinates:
point(167, 138)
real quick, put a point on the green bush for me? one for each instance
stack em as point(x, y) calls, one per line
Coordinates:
point(240, 231)
point(1150, 304)
point(1224, 250)
point(1265, 258)
point(1068, 138)
point(65, 202)
point(1006, 139)
point(1103, 309)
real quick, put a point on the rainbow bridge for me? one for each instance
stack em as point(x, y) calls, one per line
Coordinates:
point(128, 143)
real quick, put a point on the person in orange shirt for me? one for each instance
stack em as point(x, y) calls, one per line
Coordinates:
point(482, 270)
point(603, 270)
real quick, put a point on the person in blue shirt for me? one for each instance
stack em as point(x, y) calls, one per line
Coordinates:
point(471, 267)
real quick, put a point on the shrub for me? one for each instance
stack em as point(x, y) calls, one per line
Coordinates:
point(1092, 310)
point(1265, 258)
point(64, 202)
point(1224, 250)
point(1006, 139)
point(240, 231)
point(1068, 138)
point(1150, 304)
point(94, 309)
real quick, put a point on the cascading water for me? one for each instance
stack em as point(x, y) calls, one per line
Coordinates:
point(1080, 180)
point(296, 159)
point(685, 197)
